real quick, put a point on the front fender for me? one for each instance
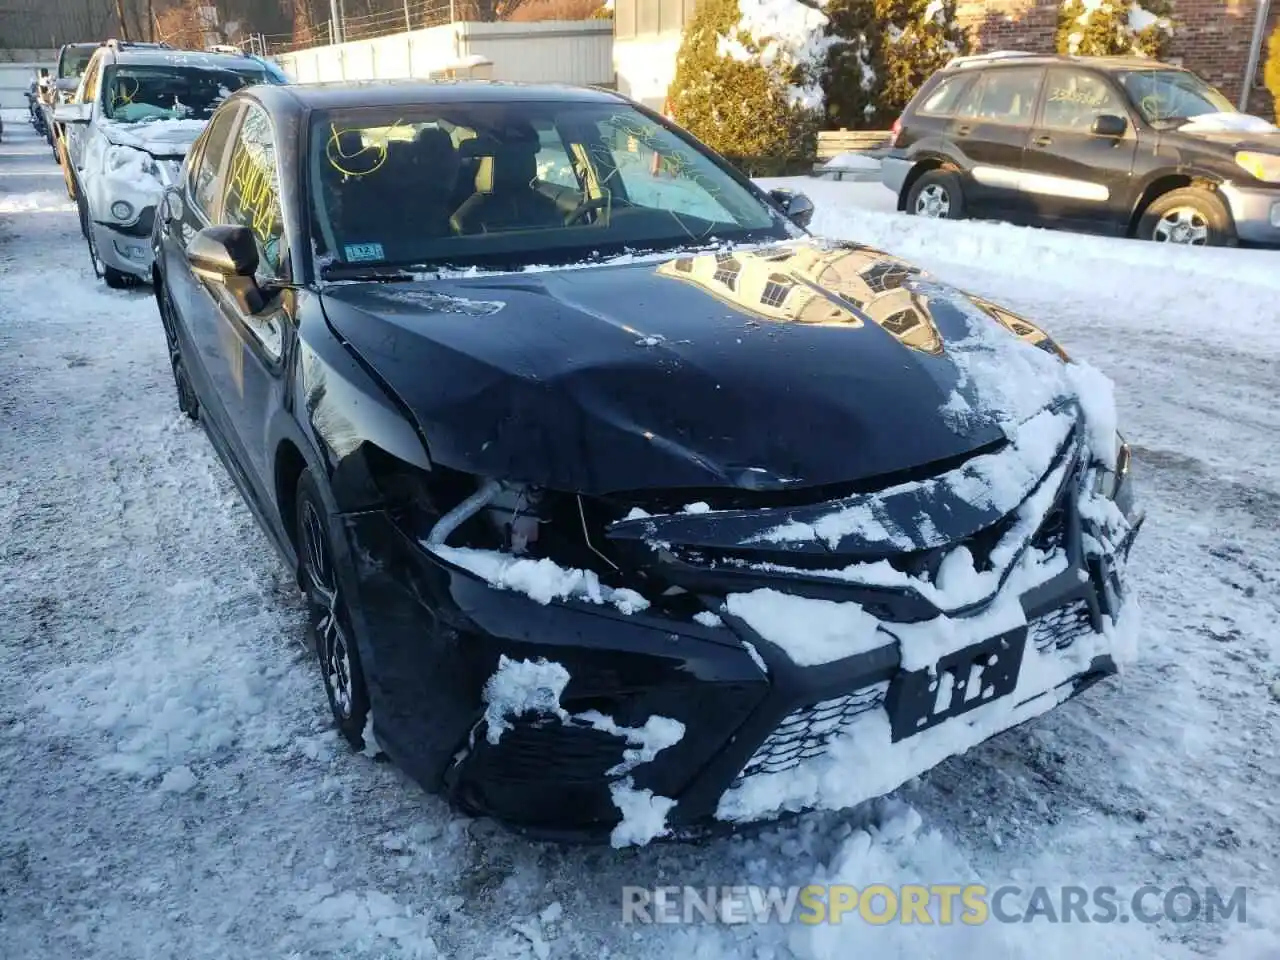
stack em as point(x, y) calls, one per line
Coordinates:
point(340, 407)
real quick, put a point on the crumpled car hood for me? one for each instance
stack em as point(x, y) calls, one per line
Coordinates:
point(801, 364)
point(169, 139)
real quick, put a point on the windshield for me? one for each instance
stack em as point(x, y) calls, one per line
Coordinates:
point(75, 61)
point(169, 92)
point(517, 184)
point(1170, 96)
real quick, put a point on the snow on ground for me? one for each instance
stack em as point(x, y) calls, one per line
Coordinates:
point(170, 785)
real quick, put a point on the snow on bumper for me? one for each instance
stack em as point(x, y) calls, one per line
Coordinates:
point(856, 757)
point(1061, 621)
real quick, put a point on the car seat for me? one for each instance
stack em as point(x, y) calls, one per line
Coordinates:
point(505, 197)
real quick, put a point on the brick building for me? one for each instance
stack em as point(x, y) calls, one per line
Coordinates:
point(1211, 37)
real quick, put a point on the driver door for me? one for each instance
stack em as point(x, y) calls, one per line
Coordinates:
point(250, 360)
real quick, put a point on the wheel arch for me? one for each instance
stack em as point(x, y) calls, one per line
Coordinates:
point(1167, 182)
point(923, 164)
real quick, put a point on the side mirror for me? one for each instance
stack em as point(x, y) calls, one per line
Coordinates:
point(223, 252)
point(171, 207)
point(798, 207)
point(72, 112)
point(228, 255)
point(1109, 125)
point(67, 85)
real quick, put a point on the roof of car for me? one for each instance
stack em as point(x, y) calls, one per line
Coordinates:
point(1017, 58)
point(390, 93)
point(169, 57)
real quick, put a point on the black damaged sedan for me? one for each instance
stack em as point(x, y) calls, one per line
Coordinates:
point(623, 507)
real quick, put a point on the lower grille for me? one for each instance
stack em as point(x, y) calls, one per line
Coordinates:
point(806, 733)
point(1061, 628)
point(547, 750)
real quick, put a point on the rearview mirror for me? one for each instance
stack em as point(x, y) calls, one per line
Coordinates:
point(72, 112)
point(67, 85)
point(228, 255)
point(798, 207)
point(1109, 125)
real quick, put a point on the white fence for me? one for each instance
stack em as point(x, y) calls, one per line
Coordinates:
point(577, 52)
point(17, 69)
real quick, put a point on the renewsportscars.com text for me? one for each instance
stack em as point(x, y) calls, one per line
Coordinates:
point(938, 903)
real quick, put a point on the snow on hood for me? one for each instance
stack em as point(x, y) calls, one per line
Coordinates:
point(1228, 122)
point(160, 138)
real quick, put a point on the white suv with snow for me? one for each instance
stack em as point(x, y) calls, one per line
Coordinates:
point(137, 111)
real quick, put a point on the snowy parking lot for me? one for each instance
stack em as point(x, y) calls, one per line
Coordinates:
point(171, 787)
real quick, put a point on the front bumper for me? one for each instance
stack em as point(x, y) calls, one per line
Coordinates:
point(763, 736)
point(1255, 211)
point(126, 248)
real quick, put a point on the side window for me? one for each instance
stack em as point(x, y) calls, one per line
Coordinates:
point(942, 101)
point(1002, 96)
point(554, 164)
point(1075, 98)
point(204, 178)
point(252, 197)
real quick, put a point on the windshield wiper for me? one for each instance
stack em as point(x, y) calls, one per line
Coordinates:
point(352, 271)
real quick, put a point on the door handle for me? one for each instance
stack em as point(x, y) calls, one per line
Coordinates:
point(963, 131)
point(1043, 140)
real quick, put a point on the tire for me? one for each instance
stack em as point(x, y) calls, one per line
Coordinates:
point(118, 280)
point(330, 622)
point(1188, 216)
point(188, 402)
point(936, 194)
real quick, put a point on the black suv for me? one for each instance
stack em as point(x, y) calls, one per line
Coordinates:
point(1120, 145)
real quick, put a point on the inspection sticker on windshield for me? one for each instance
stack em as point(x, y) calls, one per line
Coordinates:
point(357, 252)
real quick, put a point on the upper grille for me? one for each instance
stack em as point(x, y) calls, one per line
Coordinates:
point(806, 733)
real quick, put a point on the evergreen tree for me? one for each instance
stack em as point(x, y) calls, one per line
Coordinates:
point(1111, 28)
point(883, 51)
point(741, 94)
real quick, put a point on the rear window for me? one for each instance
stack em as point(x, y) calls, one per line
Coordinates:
point(941, 102)
point(75, 61)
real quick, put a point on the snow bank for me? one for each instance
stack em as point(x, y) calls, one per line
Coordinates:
point(1055, 260)
point(852, 160)
point(43, 201)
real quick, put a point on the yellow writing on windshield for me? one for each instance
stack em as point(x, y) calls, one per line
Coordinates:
point(353, 155)
point(253, 180)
